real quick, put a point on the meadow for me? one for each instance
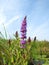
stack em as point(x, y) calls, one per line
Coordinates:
point(35, 51)
point(22, 51)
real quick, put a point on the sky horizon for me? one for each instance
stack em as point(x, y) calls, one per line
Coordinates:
point(12, 13)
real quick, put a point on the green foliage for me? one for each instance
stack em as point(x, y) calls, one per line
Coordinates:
point(12, 54)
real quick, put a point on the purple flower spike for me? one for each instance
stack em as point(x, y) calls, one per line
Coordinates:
point(24, 23)
point(23, 41)
point(23, 27)
point(23, 37)
point(23, 32)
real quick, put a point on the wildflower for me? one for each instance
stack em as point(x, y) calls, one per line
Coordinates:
point(35, 38)
point(9, 42)
point(16, 34)
point(23, 32)
point(29, 39)
point(23, 41)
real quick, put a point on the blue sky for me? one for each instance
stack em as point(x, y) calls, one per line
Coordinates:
point(12, 13)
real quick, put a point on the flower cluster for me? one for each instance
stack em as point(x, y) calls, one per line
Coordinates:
point(16, 34)
point(29, 40)
point(23, 32)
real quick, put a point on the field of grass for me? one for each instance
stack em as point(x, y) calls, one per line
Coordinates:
point(22, 51)
point(12, 54)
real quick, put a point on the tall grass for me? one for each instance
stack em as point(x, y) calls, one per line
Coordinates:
point(12, 54)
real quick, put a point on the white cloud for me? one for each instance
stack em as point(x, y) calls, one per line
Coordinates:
point(11, 21)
